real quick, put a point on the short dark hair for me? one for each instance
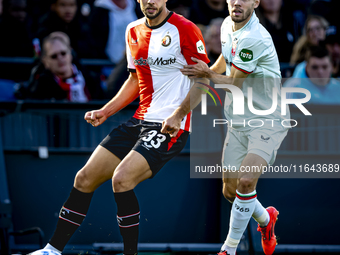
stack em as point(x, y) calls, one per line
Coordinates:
point(317, 52)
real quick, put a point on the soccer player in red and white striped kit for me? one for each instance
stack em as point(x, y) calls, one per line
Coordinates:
point(157, 47)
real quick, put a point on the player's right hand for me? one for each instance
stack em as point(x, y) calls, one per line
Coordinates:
point(171, 125)
point(95, 118)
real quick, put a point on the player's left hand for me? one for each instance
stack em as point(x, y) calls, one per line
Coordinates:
point(171, 126)
point(200, 70)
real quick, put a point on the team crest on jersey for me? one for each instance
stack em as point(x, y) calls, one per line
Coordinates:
point(234, 45)
point(166, 40)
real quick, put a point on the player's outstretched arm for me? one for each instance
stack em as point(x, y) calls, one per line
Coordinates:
point(172, 124)
point(128, 92)
point(201, 70)
point(219, 66)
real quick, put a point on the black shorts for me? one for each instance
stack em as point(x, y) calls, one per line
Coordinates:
point(145, 137)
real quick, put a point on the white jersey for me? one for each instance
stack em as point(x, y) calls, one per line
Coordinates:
point(251, 50)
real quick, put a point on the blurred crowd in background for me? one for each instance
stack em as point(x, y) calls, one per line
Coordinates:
point(58, 34)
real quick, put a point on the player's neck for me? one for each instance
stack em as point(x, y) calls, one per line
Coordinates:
point(159, 19)
point(239, 25)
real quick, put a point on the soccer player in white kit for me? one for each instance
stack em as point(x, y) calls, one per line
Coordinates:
point(250, 60)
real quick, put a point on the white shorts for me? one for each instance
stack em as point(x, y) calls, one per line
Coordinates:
point(260, 141)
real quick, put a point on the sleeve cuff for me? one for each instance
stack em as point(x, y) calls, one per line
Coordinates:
point(242, 70)
point(131, 70)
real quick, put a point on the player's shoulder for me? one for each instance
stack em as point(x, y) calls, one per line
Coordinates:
point(256, 34)
point(135, 23)
point(227, 22)
point(181, 22)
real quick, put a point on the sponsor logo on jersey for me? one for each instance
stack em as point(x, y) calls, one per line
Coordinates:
point(166, 41)
point(200, 47)
point(150, 61)
point(165, 62)
point(246, 55)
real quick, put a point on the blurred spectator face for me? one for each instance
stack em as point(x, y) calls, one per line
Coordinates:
point(213, 38)
point(216, 4)
point(271, 6)
point(152, 9)
point(319, 69)
point(65, 9)
point(315, 32)
point(240, 10)
point(57, 57)
point(17, 9)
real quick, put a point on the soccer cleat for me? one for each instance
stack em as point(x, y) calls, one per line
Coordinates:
point(44, 252)
point(223, 253)
point(268, 236)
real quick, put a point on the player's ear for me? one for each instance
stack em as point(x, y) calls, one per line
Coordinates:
point(257, 3)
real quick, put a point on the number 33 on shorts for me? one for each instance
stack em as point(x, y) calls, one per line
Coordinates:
point(153, 139)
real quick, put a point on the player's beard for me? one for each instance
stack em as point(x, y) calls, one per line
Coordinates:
point(154, 15)
point(243, 18)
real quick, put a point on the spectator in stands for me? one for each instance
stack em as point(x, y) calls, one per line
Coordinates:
point(108, 25)
point(16, 38)
point(328, 9)
point(63, 17)
point(203, 11)
point(314, 33)
point(323, 88)
point(332, 43)
point(60, 79)
point(284, 25)
point(181, 7)
point(213, 39)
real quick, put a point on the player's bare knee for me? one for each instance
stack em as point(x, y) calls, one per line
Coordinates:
point(82, 182)
point(245, 185)
point(228, 193)
point(121, 183)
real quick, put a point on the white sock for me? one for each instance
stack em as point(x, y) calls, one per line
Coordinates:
point(50, 247)
point(241, 212)
point(260, 214)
